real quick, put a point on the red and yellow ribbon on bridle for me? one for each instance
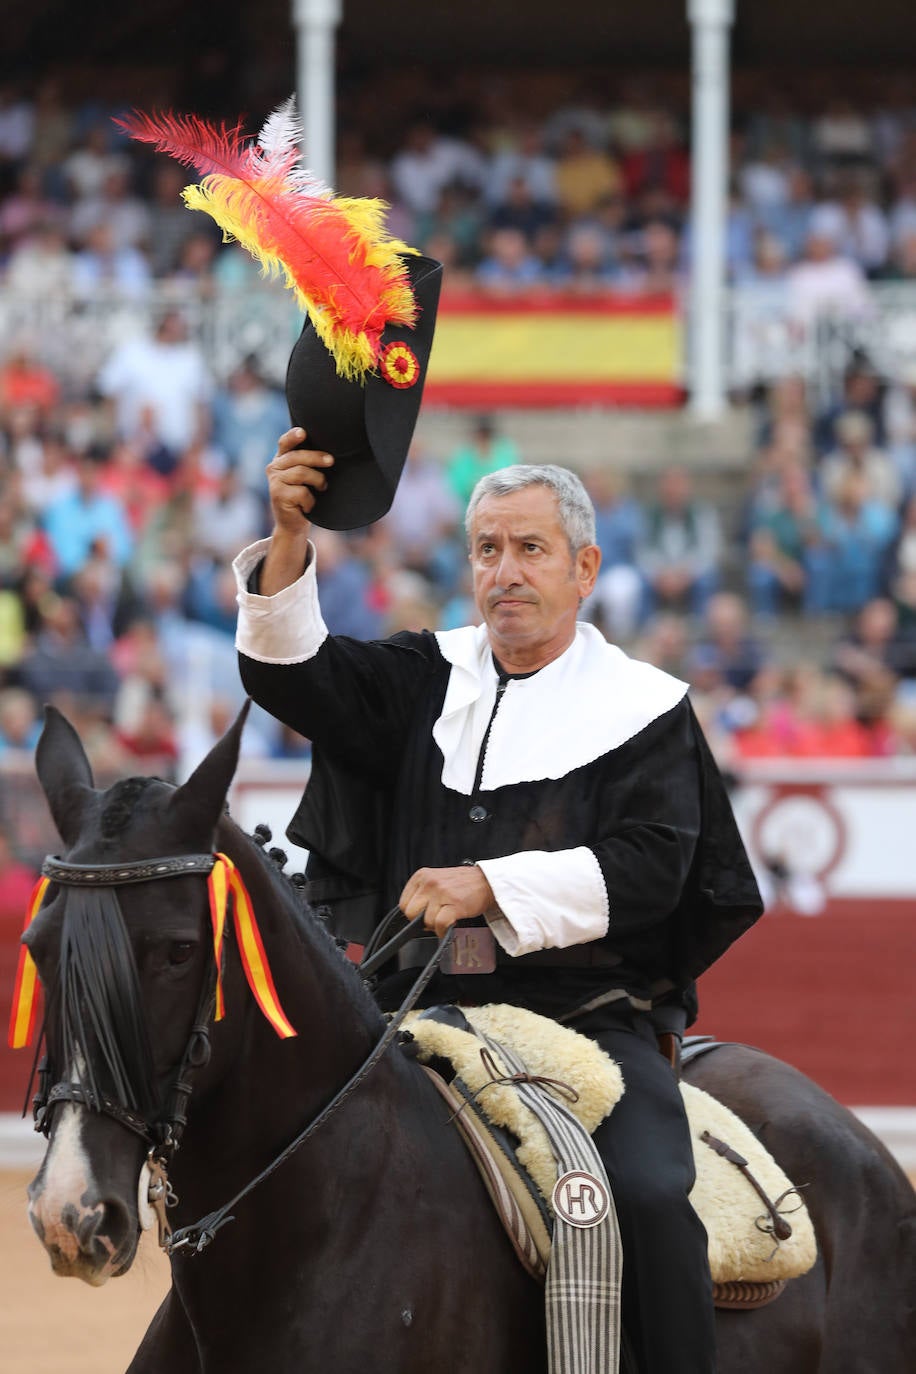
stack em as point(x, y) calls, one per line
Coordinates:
point(25, 989)
point(224, 881)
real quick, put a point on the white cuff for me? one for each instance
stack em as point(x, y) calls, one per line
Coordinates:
point(285, 628)
point(547, 900)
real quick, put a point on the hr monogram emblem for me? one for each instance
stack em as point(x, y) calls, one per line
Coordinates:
point(581, 1199)
point(473, 950)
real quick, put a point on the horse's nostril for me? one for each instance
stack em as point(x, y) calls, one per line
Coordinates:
point(115, 1223)
point(105, 1227)
point(86, 1228)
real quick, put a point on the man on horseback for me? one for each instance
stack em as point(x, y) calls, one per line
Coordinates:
point(525, 775)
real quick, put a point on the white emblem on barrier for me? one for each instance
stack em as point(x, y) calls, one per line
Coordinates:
point(581, 1199)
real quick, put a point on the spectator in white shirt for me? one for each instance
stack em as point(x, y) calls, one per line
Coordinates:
point(841, 135)
point(825, 283)
point(88, 166)
point(428, 163)
point(856, 453)
point(165, 375)
point(523, 157)
point(857, 226)
point(41, 265)
point(765, 182)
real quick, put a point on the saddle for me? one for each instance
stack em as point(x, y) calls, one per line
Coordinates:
point(741, 1194)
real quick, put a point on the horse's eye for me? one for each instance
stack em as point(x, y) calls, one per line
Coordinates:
point(180, 951)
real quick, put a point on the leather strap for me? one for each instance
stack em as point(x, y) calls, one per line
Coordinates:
point(197, 1237)
point(74, 1092)
point(572, 956)
point(113, 875)
point(416, 952)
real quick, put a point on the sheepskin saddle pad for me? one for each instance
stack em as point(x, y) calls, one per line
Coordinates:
point(753, 1247)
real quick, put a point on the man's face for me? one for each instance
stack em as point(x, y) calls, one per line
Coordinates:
point(527, 582)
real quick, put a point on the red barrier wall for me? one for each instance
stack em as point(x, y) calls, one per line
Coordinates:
point(832, 994)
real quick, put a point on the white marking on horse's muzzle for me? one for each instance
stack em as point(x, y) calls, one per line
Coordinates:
point(67, 1223)
point(55, 1205)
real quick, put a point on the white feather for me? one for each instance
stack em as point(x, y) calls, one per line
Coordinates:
point(280, 144)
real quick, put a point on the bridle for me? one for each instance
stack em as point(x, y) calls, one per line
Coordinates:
point(164, 1135)
point(165, 1132)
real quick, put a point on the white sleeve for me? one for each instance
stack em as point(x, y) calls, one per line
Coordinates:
point(547, 900)
point(285, 628)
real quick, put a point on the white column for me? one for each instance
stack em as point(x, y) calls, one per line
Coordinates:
point(710, 20)
point(315, 22)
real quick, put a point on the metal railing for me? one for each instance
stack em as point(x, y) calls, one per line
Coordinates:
point(766, 341)
point(74, 334)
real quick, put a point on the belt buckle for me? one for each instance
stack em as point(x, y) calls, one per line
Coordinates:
point(472, 950)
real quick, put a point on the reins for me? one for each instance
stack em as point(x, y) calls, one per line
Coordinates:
point(197, 1237)
point(165, 1135)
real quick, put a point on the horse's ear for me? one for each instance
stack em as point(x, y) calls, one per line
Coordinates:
point(64, 773)
point(203, 796)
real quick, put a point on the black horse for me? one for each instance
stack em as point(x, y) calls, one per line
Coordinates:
point(373, 1244)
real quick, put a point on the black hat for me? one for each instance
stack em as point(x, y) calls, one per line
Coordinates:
point(344, 267)
point(366, 425)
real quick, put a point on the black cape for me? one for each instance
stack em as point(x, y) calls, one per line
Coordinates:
point(654, 811)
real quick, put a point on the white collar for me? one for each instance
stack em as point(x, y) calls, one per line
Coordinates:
point(590, 700)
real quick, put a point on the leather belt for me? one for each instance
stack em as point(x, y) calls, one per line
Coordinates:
point(416, 953)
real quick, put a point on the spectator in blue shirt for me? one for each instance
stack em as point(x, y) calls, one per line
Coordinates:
point(857, 532)
point(87, 521)
point(619, 531)
point(62, 661)
point(510, 264)
point(619, 517)
point(346, 589)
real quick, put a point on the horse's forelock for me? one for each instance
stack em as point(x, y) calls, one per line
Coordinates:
point(103, 1036)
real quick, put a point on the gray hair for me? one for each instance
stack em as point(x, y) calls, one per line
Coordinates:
point(577, 514)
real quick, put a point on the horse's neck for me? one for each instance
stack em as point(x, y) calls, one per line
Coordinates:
point(265, 1089)
point(387, 1145)
point(329, 1222)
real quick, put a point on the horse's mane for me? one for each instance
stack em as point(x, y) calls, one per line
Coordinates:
point(316, 938)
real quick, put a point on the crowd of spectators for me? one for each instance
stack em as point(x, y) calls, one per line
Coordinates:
point(590, 197)
point(123, 501)
point(117, 529)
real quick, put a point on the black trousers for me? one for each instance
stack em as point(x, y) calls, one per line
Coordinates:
point(645, 1144)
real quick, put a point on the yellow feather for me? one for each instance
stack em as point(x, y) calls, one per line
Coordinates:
point(234, 205)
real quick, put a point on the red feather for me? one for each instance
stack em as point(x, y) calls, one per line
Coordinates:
point(192, 141)
point(336, 254)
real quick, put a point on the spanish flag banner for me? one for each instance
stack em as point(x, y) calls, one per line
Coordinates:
point(25, 990)
point(556, 350)
point(225, 879)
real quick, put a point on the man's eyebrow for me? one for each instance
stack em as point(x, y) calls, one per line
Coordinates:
point(533, 536)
